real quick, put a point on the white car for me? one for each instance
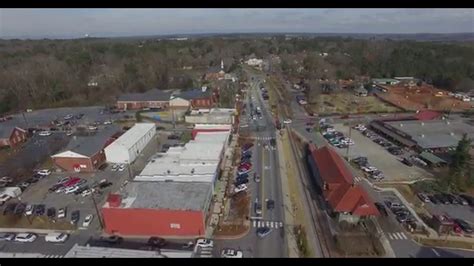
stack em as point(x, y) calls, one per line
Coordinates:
point(67, 117)
point(72, 189)
point(56, 237)
point(26, 237)
point(45, 133)
point(205, 243)
point(240, 188)
point(86, 193)
point(287, 121)
point(87, 220)
point(114, 167)
point(121, 167)
point(61, 213)
point(108, 122)
point(92, 128)
point(231, 253)
point(29, 210)
point(44, 172)
point(68, 133)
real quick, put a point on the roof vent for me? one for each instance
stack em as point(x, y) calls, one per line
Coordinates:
point(401, 125)
point(422, 124)
point(422, 135)
point(447, 123)
point(192, 171)
point(168, 171)
point(451, 133)
point(204, 88)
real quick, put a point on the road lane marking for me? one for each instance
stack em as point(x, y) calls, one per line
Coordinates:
point(435, 252)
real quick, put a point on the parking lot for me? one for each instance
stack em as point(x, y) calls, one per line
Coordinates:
point(391, 166)
point(454, 211)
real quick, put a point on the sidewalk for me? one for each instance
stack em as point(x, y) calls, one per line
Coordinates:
point(293, 251)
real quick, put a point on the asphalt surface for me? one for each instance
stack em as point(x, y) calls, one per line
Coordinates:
point(265, 162)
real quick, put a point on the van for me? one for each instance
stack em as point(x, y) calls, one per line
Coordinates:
point(56, 237)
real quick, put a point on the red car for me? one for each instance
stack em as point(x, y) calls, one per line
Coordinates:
point(244, 168)
point(247, 164)
point(72, 182)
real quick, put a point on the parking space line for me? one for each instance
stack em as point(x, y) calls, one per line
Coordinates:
point(254, 223)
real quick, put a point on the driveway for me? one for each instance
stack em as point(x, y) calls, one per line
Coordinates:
point(377, 156)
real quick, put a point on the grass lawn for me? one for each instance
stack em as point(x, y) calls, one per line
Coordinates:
point(345, 102)
point(446, 243)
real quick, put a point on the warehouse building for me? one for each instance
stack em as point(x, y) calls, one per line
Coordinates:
point(198, 161)
point(127, 148)
point(167, 209)
point(424, 135)
point(85, 153)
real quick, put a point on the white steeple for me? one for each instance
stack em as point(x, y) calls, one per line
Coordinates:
point(222, 64)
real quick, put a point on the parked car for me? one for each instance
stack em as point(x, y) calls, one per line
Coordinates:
point(23, 186)
point(6, 179)
point(71, 189)
point(45, 133)
point(231, 253)
point(423, 197)
point(407, 162)
point(469, 199)
point(7, 236)
point(256, 178)
point(56, 237)
point(263, 231)
point(87, 192)
point(87, 221)
point(62, 213)
point(51, 212)
point(29, 209)
point(381, 208)
point(463, 225)
point(20, 209)
point(434, 199)
point(63, 180)
point(25, 237)
point(44, 172)
point(452, 199)
point(461, 200)
point(39, 210)
point(240, 188)
point(241, 181)
point(204, 243)
point(121, 168)
point(75, 215)
point(257, 208)
point(112, 239)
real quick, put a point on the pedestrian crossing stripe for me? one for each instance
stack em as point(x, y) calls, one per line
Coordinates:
point(271, 224)
point(205, 256)
point(204, 252)
point(357, 179)
point(397, 236)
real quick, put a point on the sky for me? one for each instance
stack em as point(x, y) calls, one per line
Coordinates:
point(112, 22)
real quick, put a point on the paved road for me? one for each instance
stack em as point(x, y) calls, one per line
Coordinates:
point(265, 161)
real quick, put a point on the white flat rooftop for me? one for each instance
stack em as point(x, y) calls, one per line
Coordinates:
point(129, 138)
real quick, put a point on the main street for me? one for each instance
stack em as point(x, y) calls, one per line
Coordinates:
point(265, 164)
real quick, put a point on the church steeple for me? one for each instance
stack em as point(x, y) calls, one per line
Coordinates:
point(222, 64)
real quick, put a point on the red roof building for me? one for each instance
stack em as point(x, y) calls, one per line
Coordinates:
point(338, 188)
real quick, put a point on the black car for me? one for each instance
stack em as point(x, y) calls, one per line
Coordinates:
point(241, 181)
point(75, 215)
point(10, 208)
point(104, 185)
point(173, 137)
point(407, 162)
point(469, 199)
point(263, 231)
point(273, 142)
point(20, 209)
point(39, 210)
point(360, 159)
point(381, 208)
point(452, 199)
point(386, 145)
point(243, 176)
point(112, 239)
point(434, 199)
point(270, 204)
point(156, 242)
point(51, 212)
point(81, 189)
point(32, 180)
point(55, 187)
point(464, 225)
point(442, 198)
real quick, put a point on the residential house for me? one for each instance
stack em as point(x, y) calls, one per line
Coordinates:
point(198, 98)
point(361, 91)
point(334, 182)
point(153, 98)
point(384, 81)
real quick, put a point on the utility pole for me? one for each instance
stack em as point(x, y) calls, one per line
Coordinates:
point(99, 217)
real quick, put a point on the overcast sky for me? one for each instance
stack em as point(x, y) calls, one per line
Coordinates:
point(67, 23)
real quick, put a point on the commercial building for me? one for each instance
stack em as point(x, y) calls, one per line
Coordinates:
point(211, 116)
point(198, 161)
point(158, 209)
point(385, 81)
point(11, 136)
point(424, 135)
point(128, 146)
point(194, 98)
point(335, 183)
point(85, 153)
point(153, 98)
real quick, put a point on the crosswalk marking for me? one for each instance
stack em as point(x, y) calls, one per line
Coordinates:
point(397, 236)
point(254, 223)
point(268, 224)
point(206, 256)
point(271, 224)
point(281, 224)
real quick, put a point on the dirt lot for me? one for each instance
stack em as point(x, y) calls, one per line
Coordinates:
point(346, 102)
point(418, 98)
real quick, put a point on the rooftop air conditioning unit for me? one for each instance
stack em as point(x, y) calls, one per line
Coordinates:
point(401, 125)
point(422, 135)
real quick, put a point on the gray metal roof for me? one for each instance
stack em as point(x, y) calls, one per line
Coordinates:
point(434, 133)
point(431, 158)
point(105, 252)
point(168, 195)
point(195, 94)
point(150, 95)
point(93, 143)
